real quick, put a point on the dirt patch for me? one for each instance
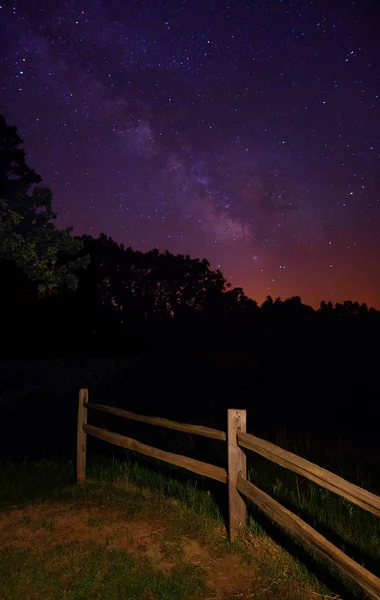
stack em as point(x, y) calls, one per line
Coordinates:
point(227, 574)
point(42, 527)
point(262, 571)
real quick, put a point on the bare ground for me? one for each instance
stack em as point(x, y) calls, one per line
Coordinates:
point(229, 575)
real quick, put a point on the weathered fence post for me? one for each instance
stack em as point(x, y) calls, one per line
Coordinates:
point(82, 436)
point(237, 461)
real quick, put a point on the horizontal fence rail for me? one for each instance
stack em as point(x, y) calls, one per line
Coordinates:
point(322, 477)
point(239, 487)
point(302, 531)
point(214, 434)
point(196, 466)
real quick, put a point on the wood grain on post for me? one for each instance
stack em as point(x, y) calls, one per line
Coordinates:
point(237, 463)
point(82, 436)
point(301, 530)
point(305, 468)
point(196, 466)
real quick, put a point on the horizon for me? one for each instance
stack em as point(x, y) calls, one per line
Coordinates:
point(315, 306)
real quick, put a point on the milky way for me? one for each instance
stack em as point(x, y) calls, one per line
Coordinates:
point(244, 132)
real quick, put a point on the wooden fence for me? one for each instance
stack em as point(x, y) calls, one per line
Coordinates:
point(239, 488)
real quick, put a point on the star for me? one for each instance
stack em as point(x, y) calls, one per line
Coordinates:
point(242, 148)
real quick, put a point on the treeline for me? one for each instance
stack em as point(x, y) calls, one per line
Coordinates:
point(199, 346)
point(129, 301)
point(70, 295)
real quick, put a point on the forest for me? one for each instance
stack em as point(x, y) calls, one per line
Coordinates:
point(57, 287)
point(188, 344)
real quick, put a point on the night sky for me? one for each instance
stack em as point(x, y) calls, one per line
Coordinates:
point(244, 132)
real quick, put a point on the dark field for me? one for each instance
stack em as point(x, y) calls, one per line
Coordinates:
point(324, 410)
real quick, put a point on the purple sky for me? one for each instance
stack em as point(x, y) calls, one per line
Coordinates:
point(244, 132)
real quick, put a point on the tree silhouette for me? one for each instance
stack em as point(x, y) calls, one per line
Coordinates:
point(149, 286)
point(267, 305)
point(28, 236)
point(326, 309)
point(123, 295)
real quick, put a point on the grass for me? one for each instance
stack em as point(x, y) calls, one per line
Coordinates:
point(106, 554)
point(188, 510)
point(79, 571)
point(283, 571)
point(48, 479)
point(352, 529)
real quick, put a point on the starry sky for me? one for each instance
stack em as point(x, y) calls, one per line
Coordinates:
point(246, 132)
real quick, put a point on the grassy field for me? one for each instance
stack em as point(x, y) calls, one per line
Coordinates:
point(131, 532)
point(355, 531)
point(189, 507)
point(134, 527)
